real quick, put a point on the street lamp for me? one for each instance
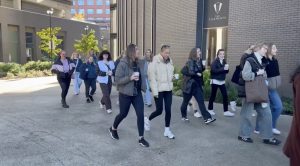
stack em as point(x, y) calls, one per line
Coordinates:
point(86, 28)
point(50, 12)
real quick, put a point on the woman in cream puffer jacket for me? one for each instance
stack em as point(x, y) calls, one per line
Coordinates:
point(160, 74)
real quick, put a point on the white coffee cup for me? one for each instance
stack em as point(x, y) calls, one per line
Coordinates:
point(204, 62)
point(137, 74)
point(176, 76)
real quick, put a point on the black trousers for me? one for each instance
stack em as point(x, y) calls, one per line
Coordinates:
point(166, 97)
point(64, 85)
point(212, 98)
point(124, 104)
point(106, 91)
point(197, 92)
point(90, 86)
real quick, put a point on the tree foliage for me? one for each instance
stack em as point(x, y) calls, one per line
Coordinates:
point(86, 43)
point(45, 45)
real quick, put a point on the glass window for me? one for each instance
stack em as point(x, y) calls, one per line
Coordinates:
point(13, 44)
point(81, 11)
point(107, 3)
point(107, 11)
point(81, 2)
point(90, 11)
point(73, 11)
point(99, 11)
point(99, 2)
point(90, 2)
point(29, 38)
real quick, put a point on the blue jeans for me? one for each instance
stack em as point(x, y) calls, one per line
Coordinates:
point(276, 108)
point(148, 96)
point(264, 120)
point(77, 82)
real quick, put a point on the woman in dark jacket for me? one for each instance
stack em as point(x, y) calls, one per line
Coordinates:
point(192, 73)
point(130, 80)
point(63, 67)
point(218, 71)
point(292, 146)
point(88, 74)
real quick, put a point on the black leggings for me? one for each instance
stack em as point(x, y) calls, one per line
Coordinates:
point(138, 104)
point(64, 85)
point(212, 98)
point(197, 92)
point(166, 97)
point(90, 87)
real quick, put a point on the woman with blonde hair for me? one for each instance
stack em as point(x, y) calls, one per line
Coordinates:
point(76, 79)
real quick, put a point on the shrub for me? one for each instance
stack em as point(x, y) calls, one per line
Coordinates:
point(38, 66)
point(12, 68)
point(287, 106)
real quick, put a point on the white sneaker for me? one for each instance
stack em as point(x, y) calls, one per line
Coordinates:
point(101, 105)
point(256, 132)
point(229, 114)
point(233, 106)
point(211, 112)
point(276, 131)
point(146, 124)
point(197, 115)
point(168, 133)
point(109, 111)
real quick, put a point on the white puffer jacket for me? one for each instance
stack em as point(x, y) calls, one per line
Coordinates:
point(160, 74)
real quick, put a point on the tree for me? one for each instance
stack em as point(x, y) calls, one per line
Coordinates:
point(86, 43)
point(45, 45)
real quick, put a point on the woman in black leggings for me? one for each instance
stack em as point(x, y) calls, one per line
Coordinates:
point(192, 73)
point(130, 81)
point(63, 67)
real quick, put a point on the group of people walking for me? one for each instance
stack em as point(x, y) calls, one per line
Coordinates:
point(154, 75)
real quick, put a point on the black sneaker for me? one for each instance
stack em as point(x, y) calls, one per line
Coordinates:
point(113, 133)
point(88, 100)
point(272, 141)
point(91, 97)
point(244, 139)
point(143, 142)
point(209, 120)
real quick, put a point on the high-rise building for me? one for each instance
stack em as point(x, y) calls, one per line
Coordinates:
point(209, 25)
point(21, 19)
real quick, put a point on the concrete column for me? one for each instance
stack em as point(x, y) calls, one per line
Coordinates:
point(22, 44)
point(17, 4)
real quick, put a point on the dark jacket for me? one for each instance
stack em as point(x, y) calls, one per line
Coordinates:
point(292, 145)
point(190, 76)
point(58, 68)
point(77, 69)
point(273, 73)
point(123, 74)
point(217, 70)
point(88, 71)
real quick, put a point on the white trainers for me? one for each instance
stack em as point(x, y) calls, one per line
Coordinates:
point(197, 115)
point(109, 111)
point(233, 106)
point(146, 124)
point(276, 131)
point(101, 105)
point(168, 133)
point(256, 132)
point(212, 112)
point(229, 114)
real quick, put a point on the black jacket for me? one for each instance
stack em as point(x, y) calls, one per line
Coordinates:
point(217, 70)
point(58, 68)
point(190, 76)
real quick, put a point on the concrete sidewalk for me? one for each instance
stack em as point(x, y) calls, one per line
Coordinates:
point(35, 130)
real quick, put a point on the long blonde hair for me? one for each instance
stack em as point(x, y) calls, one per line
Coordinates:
point(73, 55)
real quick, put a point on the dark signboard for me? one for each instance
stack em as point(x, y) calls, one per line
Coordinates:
point(216, 13)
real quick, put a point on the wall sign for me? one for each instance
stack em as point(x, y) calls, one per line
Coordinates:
point(216, 13)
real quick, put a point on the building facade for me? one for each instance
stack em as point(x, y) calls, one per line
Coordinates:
point(20, 20)
point(209, 25)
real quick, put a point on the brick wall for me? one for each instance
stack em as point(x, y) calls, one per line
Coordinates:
point(271, 21)
point(176, 26)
